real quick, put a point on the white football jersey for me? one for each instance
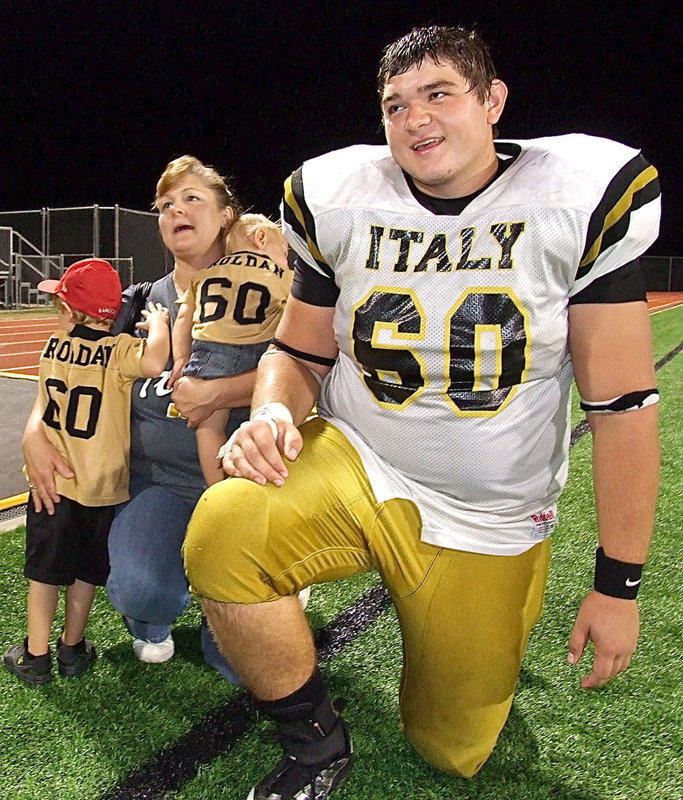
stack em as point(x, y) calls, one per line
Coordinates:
point(453, 377)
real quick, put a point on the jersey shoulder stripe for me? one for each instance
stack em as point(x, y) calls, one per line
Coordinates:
point(609, 189)
point(356, 177)
point(299, 218)
point(634, 186)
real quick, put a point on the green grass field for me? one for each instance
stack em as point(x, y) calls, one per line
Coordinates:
point(130, 731)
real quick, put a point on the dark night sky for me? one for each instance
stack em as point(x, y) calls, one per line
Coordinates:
point(97, 97)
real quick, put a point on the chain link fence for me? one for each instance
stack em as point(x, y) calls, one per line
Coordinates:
point(41, 243)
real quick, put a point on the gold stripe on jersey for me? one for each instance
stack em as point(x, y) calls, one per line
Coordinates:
point(299, 217)
point(635, 185)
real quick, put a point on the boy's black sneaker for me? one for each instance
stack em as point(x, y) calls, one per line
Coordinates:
point(303, 774)
point(74, 661)
point(33, 670)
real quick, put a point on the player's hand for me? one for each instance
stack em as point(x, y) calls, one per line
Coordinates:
point(155, 313)
point(194, 398)
point(613, 625)
point(255, 452)
point(42, 461)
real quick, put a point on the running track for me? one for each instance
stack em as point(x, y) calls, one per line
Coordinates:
point(21, 342)
point(22, 339)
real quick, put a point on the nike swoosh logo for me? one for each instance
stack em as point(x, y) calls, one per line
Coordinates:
point(629, 582)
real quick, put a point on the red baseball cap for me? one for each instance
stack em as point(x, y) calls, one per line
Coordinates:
point(91, 286)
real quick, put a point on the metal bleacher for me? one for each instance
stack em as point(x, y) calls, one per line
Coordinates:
point(22, 267)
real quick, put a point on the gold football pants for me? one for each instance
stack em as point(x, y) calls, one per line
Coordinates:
point(465, 617)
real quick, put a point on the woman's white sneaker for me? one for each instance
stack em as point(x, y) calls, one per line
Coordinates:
point(304, 597)
point(154, 652)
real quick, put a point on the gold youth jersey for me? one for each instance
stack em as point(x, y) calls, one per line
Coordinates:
point(453, 377)
point(85, 385)
point(238, 300)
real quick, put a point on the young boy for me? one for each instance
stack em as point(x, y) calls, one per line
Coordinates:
point(228, 317)
point(85, 382)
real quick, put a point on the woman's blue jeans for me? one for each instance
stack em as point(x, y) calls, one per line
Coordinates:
point(147, 583)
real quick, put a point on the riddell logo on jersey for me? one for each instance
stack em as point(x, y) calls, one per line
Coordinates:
point(544, 516)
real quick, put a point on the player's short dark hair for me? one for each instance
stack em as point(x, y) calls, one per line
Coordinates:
point(462, 48)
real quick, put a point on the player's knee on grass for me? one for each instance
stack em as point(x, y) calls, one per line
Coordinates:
point(460, 758)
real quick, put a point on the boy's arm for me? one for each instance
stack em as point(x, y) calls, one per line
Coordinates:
point(182, 338)
point(157, 347)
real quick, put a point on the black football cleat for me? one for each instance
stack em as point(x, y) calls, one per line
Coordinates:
point(319, 756)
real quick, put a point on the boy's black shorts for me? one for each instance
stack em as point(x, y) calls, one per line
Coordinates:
point(69, 545)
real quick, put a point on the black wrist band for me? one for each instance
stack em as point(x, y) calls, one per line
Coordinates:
point(616, 578)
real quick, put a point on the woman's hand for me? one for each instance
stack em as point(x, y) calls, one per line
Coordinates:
point(42, 461)
point(195, 399)
point(177, 370)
